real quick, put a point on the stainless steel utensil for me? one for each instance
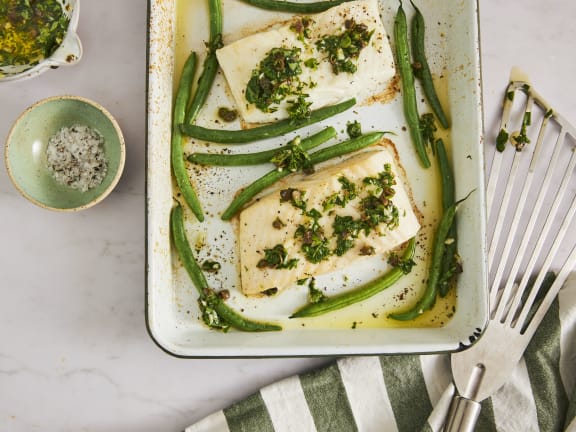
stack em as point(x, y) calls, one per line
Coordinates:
point(531, 201)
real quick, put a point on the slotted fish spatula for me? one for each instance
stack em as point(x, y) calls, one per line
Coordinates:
point(531, 203)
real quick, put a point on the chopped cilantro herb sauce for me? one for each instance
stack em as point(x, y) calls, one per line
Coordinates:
point(30, 30)
point(342, 50)
point(293, 158)
point(316, 243)
point(277, 258)
point(354, 129)
point(275, 79)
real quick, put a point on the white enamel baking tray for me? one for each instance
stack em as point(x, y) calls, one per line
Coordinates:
point(176, 28)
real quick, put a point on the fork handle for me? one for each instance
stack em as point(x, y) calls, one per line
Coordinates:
point(462, 415)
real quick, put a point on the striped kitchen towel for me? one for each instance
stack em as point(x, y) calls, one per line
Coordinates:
point(410, 393)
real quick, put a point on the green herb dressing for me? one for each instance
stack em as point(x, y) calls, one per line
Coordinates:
point(30, 30)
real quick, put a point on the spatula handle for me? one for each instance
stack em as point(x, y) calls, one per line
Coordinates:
point(462, 415)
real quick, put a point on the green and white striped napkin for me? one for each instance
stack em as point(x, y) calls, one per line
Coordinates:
point(411, 393)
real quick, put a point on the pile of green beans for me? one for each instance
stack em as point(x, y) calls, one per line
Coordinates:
point(422, 69)
point(185, 254)
point(210, 66)
point(306, 144)
point(279, 128)
point(339, 301)
point(408, 90)
point(176, 153)
point(295, 7)
point(319, 156)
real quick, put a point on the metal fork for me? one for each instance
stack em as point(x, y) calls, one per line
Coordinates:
point(531, 199)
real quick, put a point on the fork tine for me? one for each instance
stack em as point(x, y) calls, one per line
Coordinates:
point(543, 307)
point(526, 190)
point(498, 156)
point(493, 181)
point(538, 206)
point(544, 235)
point(549, 258)
point(503, 304)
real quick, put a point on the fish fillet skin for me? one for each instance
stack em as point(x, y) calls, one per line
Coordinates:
point(375, 64)
point(256, 231)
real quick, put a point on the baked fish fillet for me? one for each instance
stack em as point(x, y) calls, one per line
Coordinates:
point(375, 65)
point(273, 221)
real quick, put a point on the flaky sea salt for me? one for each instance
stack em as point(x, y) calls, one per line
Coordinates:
point(75, 157)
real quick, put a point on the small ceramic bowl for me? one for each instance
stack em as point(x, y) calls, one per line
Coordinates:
point(27, 142)
point(68, 53)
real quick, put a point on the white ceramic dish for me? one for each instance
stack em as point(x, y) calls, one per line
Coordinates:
point(68, 53)
point(172, 312)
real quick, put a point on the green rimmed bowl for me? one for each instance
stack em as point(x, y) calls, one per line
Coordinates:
point(25, 153)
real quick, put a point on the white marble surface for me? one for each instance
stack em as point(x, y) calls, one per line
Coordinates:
point(74, 351)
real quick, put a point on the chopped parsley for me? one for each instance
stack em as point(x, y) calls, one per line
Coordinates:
point(354, 129)
point(348, 193)
point(346, 229)
point(295, 197)
point(428, 130)
point(30, 31)
point(207, 303)
point(275, 78)
point(454, 268)
point(299, 108)
point(293, 158)
point(374, 196)
point(314, 244)
point(521, 139)
point(343, 49)
point(397, 261)
point(501, 140)
point(314, 294)
point(377, 211)
point(301, 26)
point(277, 258)
point(378, 207)
point(311, 63)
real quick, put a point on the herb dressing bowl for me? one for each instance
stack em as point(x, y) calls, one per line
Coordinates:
point(68, 53)
point(26, 152)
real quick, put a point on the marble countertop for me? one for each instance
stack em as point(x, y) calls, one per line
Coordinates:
point(74, 353)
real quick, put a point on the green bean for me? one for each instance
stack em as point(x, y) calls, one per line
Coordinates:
point(422, 69)
point(345, 147)
point(184, 251)
point(449, 258)
point(176, 153)
point(210, 66)
point(281, 127)
point(306, 144)
point(215, 17)
point(295, 7)
point(428, 299)
point(408, 90)
point(250, 191)
point(272, 177)
point(359, 294)
point(446, 176)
